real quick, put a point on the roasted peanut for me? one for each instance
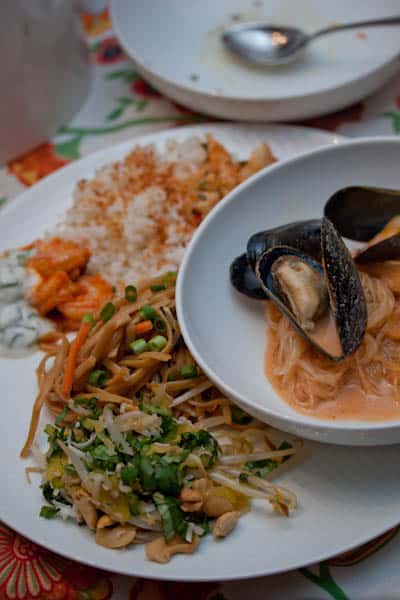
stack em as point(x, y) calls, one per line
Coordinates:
point(104, 521)
point(202, 485)
point(160, 551)
point(115, 537)
point(225, 524)
point(86, 508)
point(192, 500)
point(215, 506)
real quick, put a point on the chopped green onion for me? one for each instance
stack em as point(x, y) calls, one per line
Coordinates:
point(88, 318)
point(138, 346)
point(131, 293)
point(148, 312)
point(97, 378)
point(189, 371)
point(158, 342)
point(107, 312)
point(62, 415)
point(158, 287)
point(160, 325)
point(48, 512)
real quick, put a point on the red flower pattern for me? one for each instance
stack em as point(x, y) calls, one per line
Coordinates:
point(141, 88)
point(144, 589)
point(29, 572)
point(109, 52)
point(332, 121)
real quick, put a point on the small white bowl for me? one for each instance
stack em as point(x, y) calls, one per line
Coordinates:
point(176, 46)
point(226, 332)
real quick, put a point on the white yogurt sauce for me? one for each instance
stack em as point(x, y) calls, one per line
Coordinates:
point(20, 324)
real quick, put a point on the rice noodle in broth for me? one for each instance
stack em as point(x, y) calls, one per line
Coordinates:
point(364, 386)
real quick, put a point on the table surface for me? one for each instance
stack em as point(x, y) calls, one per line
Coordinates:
point(120, 106)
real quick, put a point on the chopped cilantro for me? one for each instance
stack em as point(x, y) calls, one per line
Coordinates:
point(169, 428)
point(129, 473)
point(104, 458)
point(53, 435)
point(239, 416)
point(159, 473)
point(203, 440)
point(173, 518)
point(261, 467)
point(91, 404)
point(285, 446)
point(48, 493)
point(133, 504)
point(62, 415)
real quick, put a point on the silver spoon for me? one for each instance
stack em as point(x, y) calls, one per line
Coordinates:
point(271, 45)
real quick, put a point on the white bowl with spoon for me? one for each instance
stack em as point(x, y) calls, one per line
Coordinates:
point(178, 48)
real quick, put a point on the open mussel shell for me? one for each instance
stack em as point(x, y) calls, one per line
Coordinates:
point(302, 235)
point(345, 290)
point(359, 213)
point(347, 304)
point(387, 249)
point(244, 279)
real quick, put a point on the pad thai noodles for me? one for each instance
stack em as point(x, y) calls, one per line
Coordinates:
point(144, 449)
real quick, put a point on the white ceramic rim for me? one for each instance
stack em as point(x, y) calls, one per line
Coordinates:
point(323, 425)
point(155, 75)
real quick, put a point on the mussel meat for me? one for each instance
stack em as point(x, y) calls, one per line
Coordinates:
point(303, 235)
point(299, 282)
point(311, 294)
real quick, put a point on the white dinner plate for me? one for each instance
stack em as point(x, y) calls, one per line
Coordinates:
point(346, 495)
point(176, 45)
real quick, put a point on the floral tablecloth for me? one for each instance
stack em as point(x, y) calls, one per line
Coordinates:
point(122, 105)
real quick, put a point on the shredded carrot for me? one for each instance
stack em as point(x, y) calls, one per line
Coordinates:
point(143, 327)
point(72, 357)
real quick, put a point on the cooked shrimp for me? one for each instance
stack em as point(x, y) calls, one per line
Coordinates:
point(59, 255)
point(50, 292)
point(94, 292)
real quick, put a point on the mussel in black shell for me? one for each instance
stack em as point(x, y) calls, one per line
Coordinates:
point(244, 279)
point(361, 213)
point(303, 235)
point(313, 280)
point(314, 295)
